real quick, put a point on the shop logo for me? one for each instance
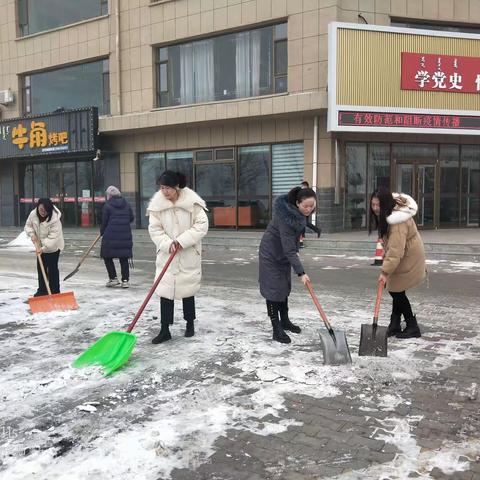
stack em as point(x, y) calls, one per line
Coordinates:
point(38, 137)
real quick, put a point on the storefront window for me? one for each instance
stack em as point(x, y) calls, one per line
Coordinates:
point(471, 185)
point(449, 185)
point(254, 186)
point(356, 183)
point(237, 65)
point(378, 166)
point(40, 15)
point(215, 183)
point(151, 165)
point(25, 172)
point(181, 162)
point(51, 90)
point(84, 194)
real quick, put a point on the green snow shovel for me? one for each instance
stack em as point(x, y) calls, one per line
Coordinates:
point(373, 339)
point(334, 342)
point(114, 348)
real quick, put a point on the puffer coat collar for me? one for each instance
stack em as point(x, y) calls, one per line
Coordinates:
point(406, 208)
point(187, 200)
point(290, 214)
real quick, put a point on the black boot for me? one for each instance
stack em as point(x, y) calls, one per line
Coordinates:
point(394, 325)
point(164, 334)
point(285, 321)
point(190, 329)
point(412, 330)
point(278, 332)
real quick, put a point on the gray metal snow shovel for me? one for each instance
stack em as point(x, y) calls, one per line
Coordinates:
point(334, 342)
point(373, 339)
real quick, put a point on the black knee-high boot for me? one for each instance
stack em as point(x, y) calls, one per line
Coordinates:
point(394, 325)
point(189, 315)
point(412, 330)
point(166, 315)
point(278, 333)
point(285, 321)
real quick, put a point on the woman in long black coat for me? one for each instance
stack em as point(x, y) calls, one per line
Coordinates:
point(117, 215)
point(279, 254)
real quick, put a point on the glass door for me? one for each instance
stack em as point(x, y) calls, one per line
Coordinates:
point(418, 181)
point(62, 190)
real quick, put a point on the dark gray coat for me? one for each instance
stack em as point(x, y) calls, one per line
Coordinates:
point(279, 251)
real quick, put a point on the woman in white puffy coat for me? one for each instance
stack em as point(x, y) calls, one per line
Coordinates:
point(177, 219)
point(44, 228)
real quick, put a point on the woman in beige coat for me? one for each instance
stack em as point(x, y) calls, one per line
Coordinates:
point(404, 261)
point(177, 219)
point(44, 228)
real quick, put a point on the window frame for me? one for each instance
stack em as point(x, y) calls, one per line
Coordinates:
point(276, 42)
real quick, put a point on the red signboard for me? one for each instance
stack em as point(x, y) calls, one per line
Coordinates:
point(407, 120)
point(440, 73)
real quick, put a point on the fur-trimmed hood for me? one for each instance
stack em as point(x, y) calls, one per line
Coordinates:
point(187, 200)
point(406, 208)
point(290, 214)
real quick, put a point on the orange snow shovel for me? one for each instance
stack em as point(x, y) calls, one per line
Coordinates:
point(51, 302)
point(373, 339)
point(114, 349)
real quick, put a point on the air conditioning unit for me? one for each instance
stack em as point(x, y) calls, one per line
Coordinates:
point(6, 97)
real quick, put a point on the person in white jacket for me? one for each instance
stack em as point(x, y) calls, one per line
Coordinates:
point(44, 228)
point(177, 219)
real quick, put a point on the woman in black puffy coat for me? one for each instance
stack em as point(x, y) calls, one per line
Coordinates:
point(278, 256)
point(116, 234)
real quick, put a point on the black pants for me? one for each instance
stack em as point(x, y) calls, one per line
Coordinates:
point(401, 304)
point(50, 263)
point(112, 273)
point(167, 307)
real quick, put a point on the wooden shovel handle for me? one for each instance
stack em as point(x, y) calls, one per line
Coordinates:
point(42, 268)
point(317, 304)
point(150, 293)
point(376, 312)
point(89, 249)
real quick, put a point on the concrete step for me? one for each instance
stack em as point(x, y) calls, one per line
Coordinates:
point(81, 238)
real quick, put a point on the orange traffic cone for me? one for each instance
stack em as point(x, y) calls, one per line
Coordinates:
point(378, 253)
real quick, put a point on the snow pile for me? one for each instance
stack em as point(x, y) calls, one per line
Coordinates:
point(23, 242)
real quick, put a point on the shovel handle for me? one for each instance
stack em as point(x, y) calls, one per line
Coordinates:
point(152, 290)
point(42, 268)
point(376, 312)
point(317, 304)
point(89, 249)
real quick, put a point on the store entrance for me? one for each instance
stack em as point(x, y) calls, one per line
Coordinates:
point(76, 188)
point(419, 180)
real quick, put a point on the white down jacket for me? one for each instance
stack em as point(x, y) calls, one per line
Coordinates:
point(186, 222)
point(49, 233)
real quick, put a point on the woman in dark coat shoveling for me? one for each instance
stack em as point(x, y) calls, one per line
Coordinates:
point(279, 253)
point(116, 234)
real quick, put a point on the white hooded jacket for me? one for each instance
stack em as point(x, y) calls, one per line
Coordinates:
point(49, 233)
point(186, 222)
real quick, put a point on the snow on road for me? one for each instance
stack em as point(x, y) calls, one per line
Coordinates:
point(168, 405)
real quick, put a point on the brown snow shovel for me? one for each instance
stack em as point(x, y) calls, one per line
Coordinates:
point(334, 342)
point(51, 302)
point(85, 255)
point(373, 339)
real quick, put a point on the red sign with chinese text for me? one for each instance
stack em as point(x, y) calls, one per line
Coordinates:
point(407, 120)
point(440, 73)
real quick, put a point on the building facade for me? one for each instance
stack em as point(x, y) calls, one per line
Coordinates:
point(247, 98)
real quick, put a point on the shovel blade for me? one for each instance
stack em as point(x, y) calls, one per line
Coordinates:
point(49, 303)
point(110, 352)
point(335, 350)
point(71, 274)
point(373, 341)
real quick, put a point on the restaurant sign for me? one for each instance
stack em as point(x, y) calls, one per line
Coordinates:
point(440, 73)
point(66, 132)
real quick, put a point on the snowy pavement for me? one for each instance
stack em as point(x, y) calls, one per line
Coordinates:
point(229, 403)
